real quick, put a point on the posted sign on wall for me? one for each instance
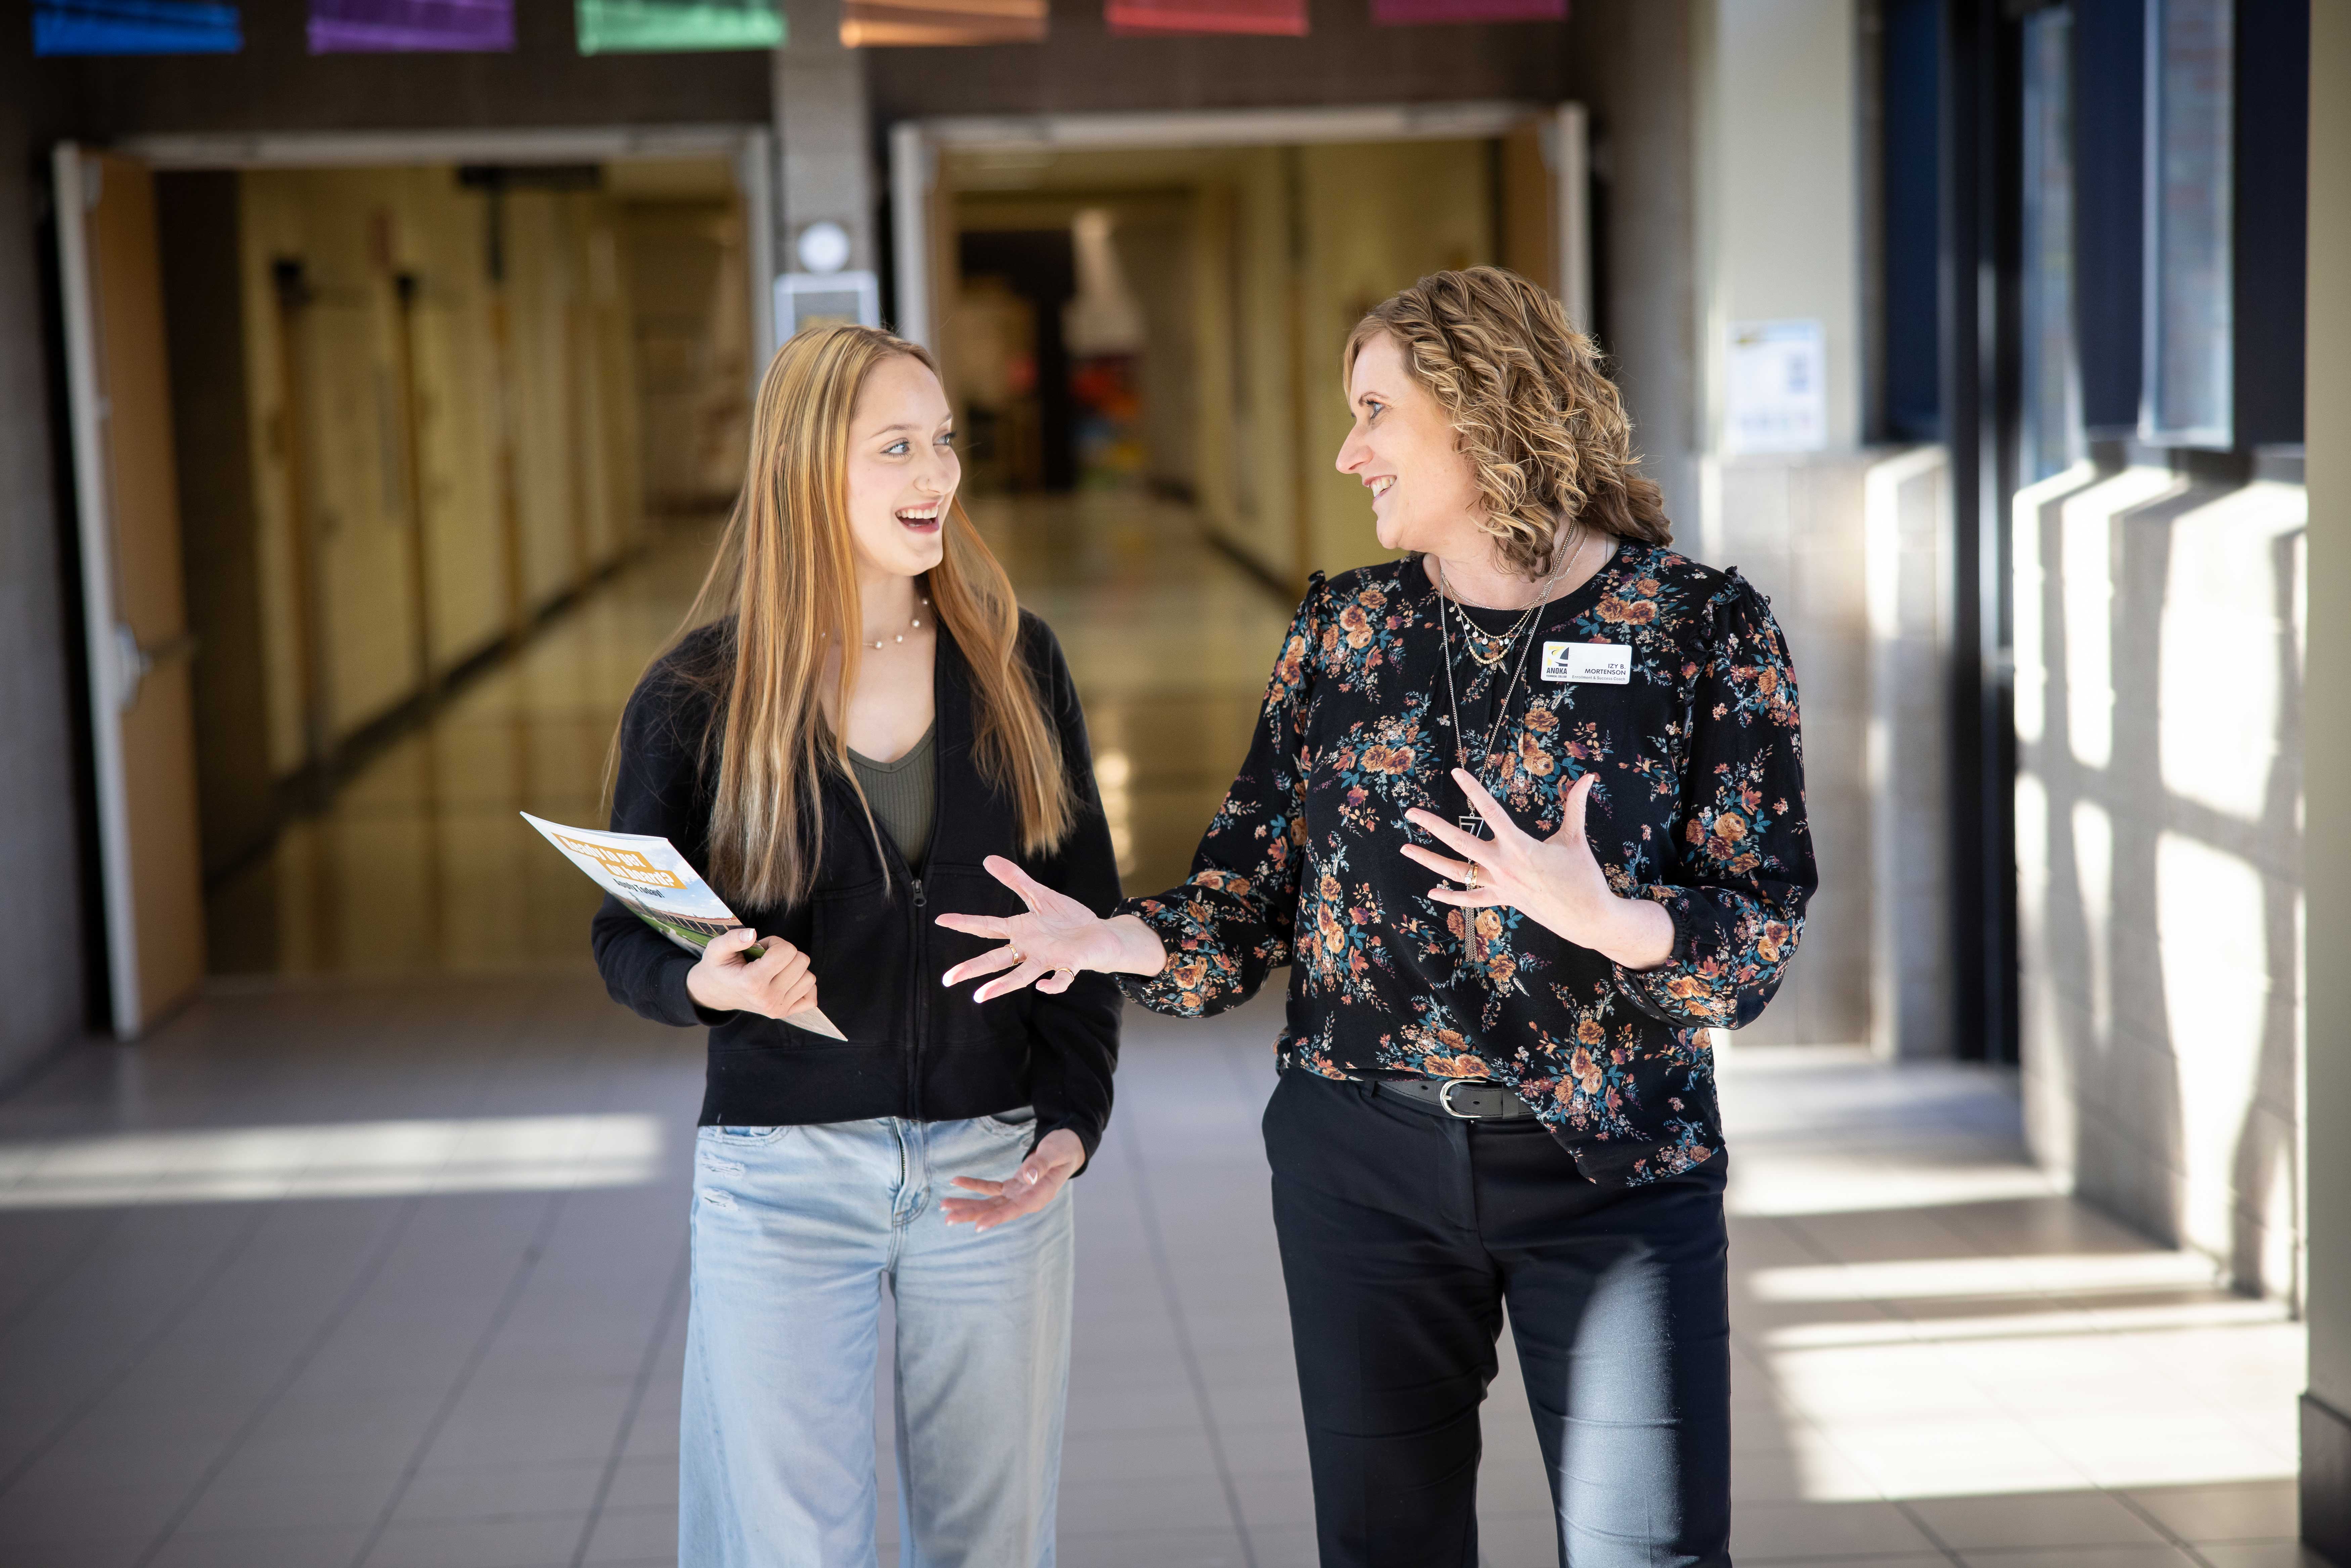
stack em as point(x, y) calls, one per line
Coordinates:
point(1775, 386)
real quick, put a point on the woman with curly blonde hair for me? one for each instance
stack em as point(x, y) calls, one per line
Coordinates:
point(1497, 1091)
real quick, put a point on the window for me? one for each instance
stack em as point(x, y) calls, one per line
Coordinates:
point(2051, 401)
point(2190, 203)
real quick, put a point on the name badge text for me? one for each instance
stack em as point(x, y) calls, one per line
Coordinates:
point(1603, 663)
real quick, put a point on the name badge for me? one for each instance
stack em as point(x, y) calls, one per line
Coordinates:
point(1603, 663)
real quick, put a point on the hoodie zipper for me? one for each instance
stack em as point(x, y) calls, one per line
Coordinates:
point(918, 995)
point(917, 969)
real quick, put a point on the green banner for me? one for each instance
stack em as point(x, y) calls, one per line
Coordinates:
point(645, 27)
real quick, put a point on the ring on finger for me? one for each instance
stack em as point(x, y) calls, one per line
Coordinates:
point(1470, 884)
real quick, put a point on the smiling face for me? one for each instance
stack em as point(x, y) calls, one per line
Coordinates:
point(1424, 488)
point(902, 468)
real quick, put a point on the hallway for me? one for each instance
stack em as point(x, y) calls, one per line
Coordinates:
point(379, 1263)
point(420, 863)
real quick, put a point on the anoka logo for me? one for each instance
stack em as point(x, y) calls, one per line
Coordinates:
point(1603, 663)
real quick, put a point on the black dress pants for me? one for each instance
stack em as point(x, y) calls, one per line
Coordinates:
point(1403, 1236)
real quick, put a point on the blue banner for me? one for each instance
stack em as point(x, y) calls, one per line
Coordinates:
point(135, 27)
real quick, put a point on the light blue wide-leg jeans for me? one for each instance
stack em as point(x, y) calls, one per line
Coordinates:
point(795, 1231)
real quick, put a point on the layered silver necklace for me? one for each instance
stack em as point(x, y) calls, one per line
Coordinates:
point(1472, 634)
point(1470, 821)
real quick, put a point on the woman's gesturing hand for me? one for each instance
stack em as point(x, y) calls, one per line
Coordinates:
point(1041, 1176)
point(777, 984)
point(1556, 881)
point(1047, 947)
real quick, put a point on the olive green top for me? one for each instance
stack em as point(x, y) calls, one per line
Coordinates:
point(903, 797)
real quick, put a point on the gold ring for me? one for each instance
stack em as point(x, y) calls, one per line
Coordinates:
point(1471, 884)
point(1017, 957)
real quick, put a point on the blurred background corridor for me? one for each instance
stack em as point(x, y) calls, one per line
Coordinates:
point(375, 376)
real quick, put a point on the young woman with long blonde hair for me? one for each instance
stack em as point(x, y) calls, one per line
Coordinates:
point(855, 718)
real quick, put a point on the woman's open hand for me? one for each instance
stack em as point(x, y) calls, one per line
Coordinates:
point(1556, 881)
point(1047, 947)
point(1039, 1180)
point(777, 984)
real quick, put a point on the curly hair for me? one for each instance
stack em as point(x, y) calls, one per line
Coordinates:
point(1537, 415)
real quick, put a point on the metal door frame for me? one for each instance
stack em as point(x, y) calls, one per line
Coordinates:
point(103, 634)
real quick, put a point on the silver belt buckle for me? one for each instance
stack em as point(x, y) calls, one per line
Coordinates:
point(1445, 1096)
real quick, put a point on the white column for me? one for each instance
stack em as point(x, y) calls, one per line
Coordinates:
point(1776, 116)
point(2327, 781)
point(824, 163)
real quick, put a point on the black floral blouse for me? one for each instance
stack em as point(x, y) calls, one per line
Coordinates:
point(1701, 806)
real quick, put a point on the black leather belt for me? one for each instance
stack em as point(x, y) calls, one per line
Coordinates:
point(1466, 1099)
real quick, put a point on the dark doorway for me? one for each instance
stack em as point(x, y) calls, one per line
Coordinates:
point(1039, 266)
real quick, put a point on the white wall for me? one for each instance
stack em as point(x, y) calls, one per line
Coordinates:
point(2159, 848)
point(1778, 230)
point(1775, 114)
point(1796, 527)
point(1911, 593)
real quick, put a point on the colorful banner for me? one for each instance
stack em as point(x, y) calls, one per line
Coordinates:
point(1429, 12)
point(872, 24)
point(654, 27)
point(135, 27)
point(1278, 18)
point(370, 27)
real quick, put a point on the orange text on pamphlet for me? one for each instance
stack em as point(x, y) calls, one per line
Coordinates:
point(626, 865)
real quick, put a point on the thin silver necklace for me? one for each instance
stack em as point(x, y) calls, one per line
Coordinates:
point(1469, 822)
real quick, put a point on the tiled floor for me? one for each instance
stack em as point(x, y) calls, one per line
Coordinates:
point(377, 1275)
point(377, 1263)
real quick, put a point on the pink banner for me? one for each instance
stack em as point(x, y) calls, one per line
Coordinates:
point(1429, 13)
point(1276, 18)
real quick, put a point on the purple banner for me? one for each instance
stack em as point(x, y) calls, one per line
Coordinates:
point(376, 26)
point(1425, 13)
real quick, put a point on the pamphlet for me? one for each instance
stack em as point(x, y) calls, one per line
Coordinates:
point(661, 888)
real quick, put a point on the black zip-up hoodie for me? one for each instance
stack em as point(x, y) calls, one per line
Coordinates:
point(915, 1048)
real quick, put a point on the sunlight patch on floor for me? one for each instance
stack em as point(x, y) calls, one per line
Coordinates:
point(1920, 1314)
point(1979, 1278)
point(336, 1159)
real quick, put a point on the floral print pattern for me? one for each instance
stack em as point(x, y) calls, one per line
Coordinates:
point(1701, 806)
